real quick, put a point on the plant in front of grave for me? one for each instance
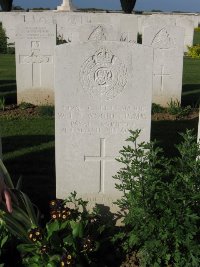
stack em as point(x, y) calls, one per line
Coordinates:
point(3, 40)
point(160, 203)
point(194, 51)
point(175, 108)
point(73, 237)
point(24, 215)
point(156, 108)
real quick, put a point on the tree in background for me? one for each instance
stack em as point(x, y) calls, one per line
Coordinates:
point(6, 5)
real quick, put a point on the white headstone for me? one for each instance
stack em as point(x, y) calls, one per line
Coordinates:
point(124, 25)
point(66, 6)
point(158, 20)
point(9, 21)
point(102, 89)
point(35, 44)
point(188, 25)
point(97, 32)
point(168, 62)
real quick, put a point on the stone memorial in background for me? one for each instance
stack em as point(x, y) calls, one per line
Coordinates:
point(188, 25)
point(102, 89)
point(35, 43)
point(66, 6)
point(97, 32)
point(157, 20)
point(168, 62)
point(70, 26)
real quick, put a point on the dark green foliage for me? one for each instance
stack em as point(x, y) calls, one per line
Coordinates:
point(73, 237)
point(161, 199)
point(128, 5)
point(3, 40)
point(175, 108)
point(156, 108)
point(6, 5)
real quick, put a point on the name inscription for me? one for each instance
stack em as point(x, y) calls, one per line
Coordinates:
point(101, 119)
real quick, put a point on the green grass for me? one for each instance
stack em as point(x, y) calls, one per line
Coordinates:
point(29, 151)
point(8, 78)
point(191, 82)
point(196, 39)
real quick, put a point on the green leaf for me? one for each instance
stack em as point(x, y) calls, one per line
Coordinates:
point(3, 241)
point(52, 226)
point(6, 175)
point(27, 247)
point(77, 229)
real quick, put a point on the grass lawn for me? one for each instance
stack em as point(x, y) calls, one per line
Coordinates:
point(196, 39)
point(191, 82)
point(8, 78)
point(28, 151)
point(28, 144)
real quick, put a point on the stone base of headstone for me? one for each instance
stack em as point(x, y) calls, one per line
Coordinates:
point(36, 97)
point(66, 6)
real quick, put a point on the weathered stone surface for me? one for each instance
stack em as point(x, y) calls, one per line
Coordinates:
point(188, 26)
point(116, 26)
point(35, 44)
point(102, 89)
point(168, 62)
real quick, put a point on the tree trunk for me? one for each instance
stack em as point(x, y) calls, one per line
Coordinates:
point(6, 5)
point(128, 5)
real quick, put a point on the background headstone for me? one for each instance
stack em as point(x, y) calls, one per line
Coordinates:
point(35, 44)
point(126, 26)
point(188, 25)
point(168, 62)
point(102, 89)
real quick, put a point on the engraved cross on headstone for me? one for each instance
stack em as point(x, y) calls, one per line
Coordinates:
point(101, 159)
point(162, 74)
point(36, 61)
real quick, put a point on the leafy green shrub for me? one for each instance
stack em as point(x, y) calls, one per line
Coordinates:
point(194, 51)
point(161, 199)
point(46, 110)
point(175, 108)
point(3, 40)
point(73, 237)
point(156, 108)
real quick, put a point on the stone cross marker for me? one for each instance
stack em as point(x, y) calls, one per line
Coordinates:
point(102, 158)
point(168, 62)
point(102, 89)
point(35, 44)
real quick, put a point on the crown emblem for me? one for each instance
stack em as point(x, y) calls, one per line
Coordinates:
point(103, 55)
